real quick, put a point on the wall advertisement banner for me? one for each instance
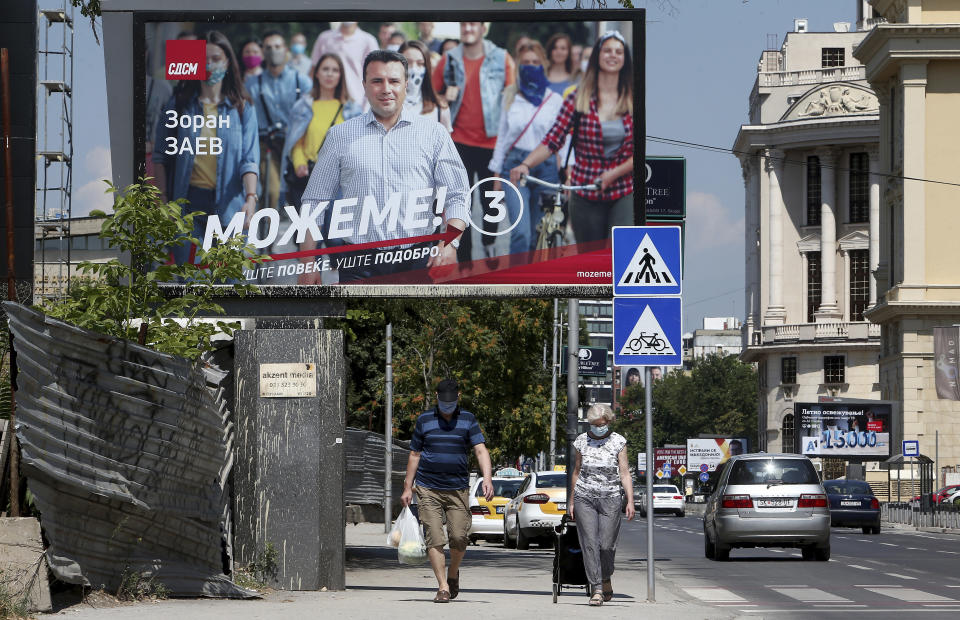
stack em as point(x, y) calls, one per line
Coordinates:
point(947, 365)
point(675, 456)
point(712, 452)
point(838, 429)
point(271, 129)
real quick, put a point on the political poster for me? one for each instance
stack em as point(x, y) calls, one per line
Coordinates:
point(713, 452)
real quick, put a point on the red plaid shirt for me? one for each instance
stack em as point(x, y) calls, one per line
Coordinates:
point(591, 162)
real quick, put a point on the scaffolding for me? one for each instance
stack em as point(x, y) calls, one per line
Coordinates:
point(55, 41)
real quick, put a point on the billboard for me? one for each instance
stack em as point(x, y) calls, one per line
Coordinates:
point(666, 188)
point(591, 361)
point(844, 429)
point(274, 126)
point(713, 452)
point(633, 375)
point(675, 456)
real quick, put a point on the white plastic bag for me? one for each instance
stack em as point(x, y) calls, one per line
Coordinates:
point(411, 548)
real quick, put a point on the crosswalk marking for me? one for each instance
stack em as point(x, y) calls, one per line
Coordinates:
point(714, 595)
point(811, 595)
point(899, 576)
point(860, 567)
point(909, 595)
point(890, 544)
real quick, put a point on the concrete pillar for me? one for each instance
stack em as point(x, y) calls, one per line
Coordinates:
point(873, 153)
point(829, 309)
point(775, 313)
point(749, 169)
point(914, 256)
point(288, 480)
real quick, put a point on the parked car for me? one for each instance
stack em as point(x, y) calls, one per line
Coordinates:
point(666, 498)
point(488, 515)
point(953, 498)
point(945, 493)
point(852, 504)
point(767, 500)
point(540, 503)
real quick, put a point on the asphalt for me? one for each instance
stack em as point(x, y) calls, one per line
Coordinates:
point(495, 582)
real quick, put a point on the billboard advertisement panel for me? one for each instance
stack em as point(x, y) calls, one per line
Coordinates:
point(675, 456)
point(844, 429)
point(713, 452)
point(666, 188)
point(351, 153)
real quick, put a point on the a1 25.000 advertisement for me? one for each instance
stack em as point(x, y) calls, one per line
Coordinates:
point(397, 152)
point(844, 429)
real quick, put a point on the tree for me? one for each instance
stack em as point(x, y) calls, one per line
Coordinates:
point(718, 396)
point(126, 300)
point(493, 348)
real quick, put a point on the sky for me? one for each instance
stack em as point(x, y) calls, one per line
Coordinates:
point(701, 65)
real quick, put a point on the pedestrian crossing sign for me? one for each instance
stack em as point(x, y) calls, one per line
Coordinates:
point(647, 331)
point(647, 260)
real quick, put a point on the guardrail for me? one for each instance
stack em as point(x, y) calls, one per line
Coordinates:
point(944, 516)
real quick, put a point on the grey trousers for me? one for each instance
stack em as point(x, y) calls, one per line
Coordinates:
point(598, 526)
point(593, 219)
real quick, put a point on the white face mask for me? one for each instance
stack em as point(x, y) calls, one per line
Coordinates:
point(393, 47)
point(414, 98)
point(583, 65)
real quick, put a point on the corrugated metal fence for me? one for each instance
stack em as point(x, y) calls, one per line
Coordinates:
point(127, 452)
point(365, 467)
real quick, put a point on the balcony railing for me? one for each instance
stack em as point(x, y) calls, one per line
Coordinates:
point(811, 76)
point(814, 332)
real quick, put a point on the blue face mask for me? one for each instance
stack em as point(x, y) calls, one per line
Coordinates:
point(216, 73)
point(447, 406)
point(600, 431)
point(533, 83)
point(298, 48)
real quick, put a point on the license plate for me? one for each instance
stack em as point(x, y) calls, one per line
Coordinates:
point(778, 502)
point(561, 505)
point(850, 503)
point(500, 510)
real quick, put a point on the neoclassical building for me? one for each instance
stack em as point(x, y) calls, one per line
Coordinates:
point(809, 155)
point(913, 63)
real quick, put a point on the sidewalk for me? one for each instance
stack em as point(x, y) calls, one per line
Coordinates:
point(496, 582)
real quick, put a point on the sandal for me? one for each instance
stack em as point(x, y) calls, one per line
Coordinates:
point(442, 597)
point(454, 584)
point(607, 591)
point(596, 600)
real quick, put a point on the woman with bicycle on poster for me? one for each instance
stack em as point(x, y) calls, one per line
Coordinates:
point(528, 112)
point(599, 115)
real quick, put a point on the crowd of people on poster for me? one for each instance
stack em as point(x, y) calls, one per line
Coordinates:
point(283, 141)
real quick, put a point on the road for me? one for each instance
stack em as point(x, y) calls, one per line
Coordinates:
point(897, 572)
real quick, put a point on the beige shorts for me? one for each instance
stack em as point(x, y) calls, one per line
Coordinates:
point(433, 505)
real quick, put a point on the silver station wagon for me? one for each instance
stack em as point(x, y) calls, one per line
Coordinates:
point(768, 500)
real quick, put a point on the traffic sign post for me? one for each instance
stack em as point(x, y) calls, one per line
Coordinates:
point(647, 310)
point(911, 447)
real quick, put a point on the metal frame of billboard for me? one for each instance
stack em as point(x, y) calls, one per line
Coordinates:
point(895, 434)
point(303, 293)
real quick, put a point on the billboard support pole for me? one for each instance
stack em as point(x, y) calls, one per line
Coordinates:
point(11, 283)
point(388, 437)
point(648, 406)
point(573, 398)
point(553, 385)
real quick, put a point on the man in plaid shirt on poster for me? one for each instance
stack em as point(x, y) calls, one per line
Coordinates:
point(599, 114)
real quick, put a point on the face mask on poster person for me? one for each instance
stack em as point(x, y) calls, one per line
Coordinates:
point(276, 57)
point(252, 62)
point(533, 83)
point(216, 72)
point(414, 98)
point(298, 48)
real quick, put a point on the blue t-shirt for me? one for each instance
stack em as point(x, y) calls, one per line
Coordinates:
point(443, 448)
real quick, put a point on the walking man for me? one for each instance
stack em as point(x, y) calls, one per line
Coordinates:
point(437, 471)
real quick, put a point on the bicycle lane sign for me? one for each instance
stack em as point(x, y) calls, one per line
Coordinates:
point(647, 331)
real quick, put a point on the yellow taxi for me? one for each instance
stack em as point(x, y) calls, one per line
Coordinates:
point(540, 503)
point(488, 515)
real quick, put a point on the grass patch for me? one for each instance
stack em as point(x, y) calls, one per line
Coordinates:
point(256, 574)
point(137, 586)
point(12, 604)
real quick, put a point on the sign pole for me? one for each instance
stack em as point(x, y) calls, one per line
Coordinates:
point(573, 396)
point(388, 438)
point(553, 385)
point(648, 388)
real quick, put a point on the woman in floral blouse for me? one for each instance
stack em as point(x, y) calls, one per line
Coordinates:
point(600, 474)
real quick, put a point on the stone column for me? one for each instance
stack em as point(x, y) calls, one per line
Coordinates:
point(749, 169)
point(914, 113)
point(829, 310)
point(873, 153)
point(775, 313)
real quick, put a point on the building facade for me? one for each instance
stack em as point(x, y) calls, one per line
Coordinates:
point(809, 155)
point(913, 64)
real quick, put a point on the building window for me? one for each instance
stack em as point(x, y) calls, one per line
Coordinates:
point(813, 191)
point(859, 188)
point(833, 369)
point(788, 370)
point(813, 285)
point(832, 57)
point(787, 434)
point(859, 283)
